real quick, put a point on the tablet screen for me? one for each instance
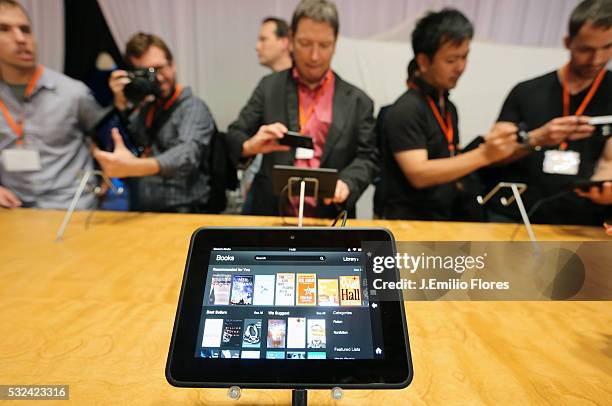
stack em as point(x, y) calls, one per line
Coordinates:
point(288, 303)
point(287, 308)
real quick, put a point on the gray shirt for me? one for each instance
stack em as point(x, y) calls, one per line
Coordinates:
point(58, 113)
point(181, 145)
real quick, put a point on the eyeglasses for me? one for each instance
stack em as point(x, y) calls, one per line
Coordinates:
point(157, 68)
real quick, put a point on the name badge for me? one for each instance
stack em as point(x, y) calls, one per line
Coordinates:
point(304, 153)
point(21, 160)
point(561, 162)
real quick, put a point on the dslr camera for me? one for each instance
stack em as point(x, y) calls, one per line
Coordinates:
point(143, 82)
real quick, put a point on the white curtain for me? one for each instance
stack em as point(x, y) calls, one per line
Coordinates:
point(518, 22)
point(213, 43)
point(48, 24)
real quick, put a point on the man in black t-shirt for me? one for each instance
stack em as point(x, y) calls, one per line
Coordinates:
point(423, 169)
point(379, 195)
point(562, 147)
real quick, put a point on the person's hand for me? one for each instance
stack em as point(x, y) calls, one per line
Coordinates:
point(561, 129)
point(8, 199)
point(598, 195)
point(340, 195)
point(117, 81)
point(117, 164)
point(608, 227)
point(265, 140)
point(500, 142)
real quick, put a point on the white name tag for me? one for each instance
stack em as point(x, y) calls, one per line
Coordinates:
point(21, 160)
point(561, 162)
point(304, 153)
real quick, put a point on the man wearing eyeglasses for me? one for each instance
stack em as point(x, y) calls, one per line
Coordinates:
point(173, 129)
point(312, 99)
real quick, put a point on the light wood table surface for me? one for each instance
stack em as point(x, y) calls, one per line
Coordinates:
point(96, 312)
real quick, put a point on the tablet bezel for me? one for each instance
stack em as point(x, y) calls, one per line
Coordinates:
point(185, 370)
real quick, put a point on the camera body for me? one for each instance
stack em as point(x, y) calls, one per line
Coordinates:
point(143, 82)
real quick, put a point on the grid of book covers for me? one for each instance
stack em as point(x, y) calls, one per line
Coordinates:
point(275, 337)
point(284, 289)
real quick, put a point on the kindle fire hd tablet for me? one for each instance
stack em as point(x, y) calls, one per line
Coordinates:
point(286, 308)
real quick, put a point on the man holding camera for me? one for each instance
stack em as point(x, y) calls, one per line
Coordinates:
point(44, 116)
point(171, 127)
point(312, 99)
point(562, 147)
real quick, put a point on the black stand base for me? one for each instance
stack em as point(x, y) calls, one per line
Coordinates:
point(299, 397)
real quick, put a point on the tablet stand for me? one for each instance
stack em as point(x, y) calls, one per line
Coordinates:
point(299, 397)
point(517, 191)
point(302, 181)
point(77, 196)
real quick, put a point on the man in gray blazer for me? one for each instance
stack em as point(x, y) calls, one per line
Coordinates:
point(313, 100)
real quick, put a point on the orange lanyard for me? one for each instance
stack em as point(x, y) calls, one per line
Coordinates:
point(305, 117)
point(447, 127)
point(17, 126)
point(585, 102)
point(165, 107)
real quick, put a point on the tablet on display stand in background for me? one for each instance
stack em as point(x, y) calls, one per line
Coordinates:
point(302, 182)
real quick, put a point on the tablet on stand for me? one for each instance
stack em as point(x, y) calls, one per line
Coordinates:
point(292, 308)
point(319, 182)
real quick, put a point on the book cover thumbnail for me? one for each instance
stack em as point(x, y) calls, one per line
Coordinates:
point(275, 355)
point(251, 335)
point(296, 332)
point(242, 290)
point(306, 289)
point(277, 331)
point(250, 354)
point(220, 289)
point(350, 290)
point(263, 290)
point(209, 353)
point(229, 354)
point(296, 355)
point(212, 333)
point(285, 289)
point(232, 333)
point(316, 333)
point(328, 292)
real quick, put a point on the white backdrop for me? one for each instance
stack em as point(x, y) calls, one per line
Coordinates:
point(213, 42)
point(48, 23)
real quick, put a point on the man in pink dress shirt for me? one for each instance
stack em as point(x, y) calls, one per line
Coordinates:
point(312, 99)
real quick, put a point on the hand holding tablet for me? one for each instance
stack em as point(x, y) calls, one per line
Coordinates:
point(599, 191)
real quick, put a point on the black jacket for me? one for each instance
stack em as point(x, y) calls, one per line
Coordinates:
point(350, 146)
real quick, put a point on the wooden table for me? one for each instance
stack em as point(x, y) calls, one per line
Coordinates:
point(96, 312)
